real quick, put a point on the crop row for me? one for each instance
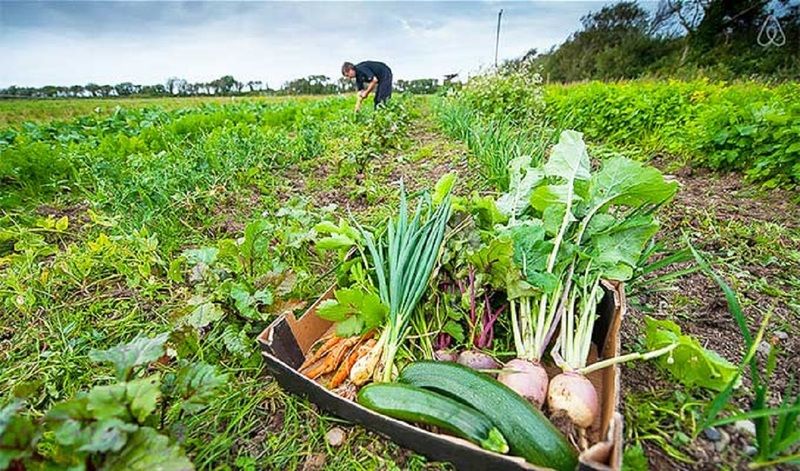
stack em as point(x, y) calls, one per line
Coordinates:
point(747, 127)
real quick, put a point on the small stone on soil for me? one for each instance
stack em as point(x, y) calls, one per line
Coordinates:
point(780, 335)
point(335, 436)
point(750, 450)
point(764, 347)
point(314, 462)
point(712, 434)
point(746, 426)
point(723, 442)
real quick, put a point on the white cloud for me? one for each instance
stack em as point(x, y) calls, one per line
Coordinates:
point(110, 43)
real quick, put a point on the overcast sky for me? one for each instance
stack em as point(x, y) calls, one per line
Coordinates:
point(63, 43)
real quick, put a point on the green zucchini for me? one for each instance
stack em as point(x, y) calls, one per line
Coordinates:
point(528, 432)
point(405, 402)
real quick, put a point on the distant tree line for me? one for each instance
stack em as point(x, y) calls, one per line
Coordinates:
point(223, 86)
point(722, 39)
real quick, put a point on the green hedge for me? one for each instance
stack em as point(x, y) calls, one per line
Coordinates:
point(748, 127)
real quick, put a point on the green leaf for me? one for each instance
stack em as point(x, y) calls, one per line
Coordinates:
point(341, 237)
point(630, 183)
point(552, 217)
point(335, 242)
point(599, 223)
point(332, 310)
point(487, 215)
point(142, 395)
point(108, 435)
point(62, 224)
point(206, 255)
point(569, 159)
point(71, 433)
point(625, 244)
point(247, 303)
point(373, 310)
point(125, 357)
point(146, 450)
point(454, 329)
point(496, 259)
point(108, 402)
point(349, 327)
point(550, 195)
point(18, 434)
point(634, 459)
point(196, 384)
point(443, 188)
point(75, 408)
point(134, 400)
point(263, 296)
point(204, 314)
point(523, 178)
point(689, 362)
point(354, 310)
point(236, 341)
point(326, 226)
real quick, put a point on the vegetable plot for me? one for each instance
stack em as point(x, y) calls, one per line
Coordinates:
point(522, 271)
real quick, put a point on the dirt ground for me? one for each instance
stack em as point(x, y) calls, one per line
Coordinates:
point(756, 234)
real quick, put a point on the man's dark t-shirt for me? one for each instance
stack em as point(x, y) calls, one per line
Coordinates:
point(366, 71)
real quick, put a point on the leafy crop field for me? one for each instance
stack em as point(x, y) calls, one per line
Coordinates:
point(191, 223)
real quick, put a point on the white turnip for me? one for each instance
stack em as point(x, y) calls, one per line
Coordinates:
point(477, 360)
point(526, 378)
point(445, 355)
point(573, 394)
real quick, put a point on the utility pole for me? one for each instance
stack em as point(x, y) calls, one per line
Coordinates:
point(497, 40)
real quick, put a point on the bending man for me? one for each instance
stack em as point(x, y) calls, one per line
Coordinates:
point(370, 76)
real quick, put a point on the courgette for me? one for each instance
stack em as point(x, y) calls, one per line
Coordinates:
point(413, 404)
point(529, 434)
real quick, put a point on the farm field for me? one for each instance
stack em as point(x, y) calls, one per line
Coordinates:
point(123, 223)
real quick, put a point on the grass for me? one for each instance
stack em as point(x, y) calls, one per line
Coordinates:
point(16, 111)
point(94, 256)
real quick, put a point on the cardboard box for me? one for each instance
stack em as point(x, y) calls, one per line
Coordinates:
point(287, 339)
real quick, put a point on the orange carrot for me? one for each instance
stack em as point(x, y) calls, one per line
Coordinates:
point(344, 370)
point(331, 342)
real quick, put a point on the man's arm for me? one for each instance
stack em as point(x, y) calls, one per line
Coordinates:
point(371, 86)
point(362, 94)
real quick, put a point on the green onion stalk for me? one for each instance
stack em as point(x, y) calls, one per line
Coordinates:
point(403, 265)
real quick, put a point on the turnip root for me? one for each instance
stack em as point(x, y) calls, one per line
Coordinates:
point(574, 394)
point(445, 355)
point(528, 379)
point(477, 360)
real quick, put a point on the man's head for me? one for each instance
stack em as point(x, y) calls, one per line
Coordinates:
point(348, 70)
